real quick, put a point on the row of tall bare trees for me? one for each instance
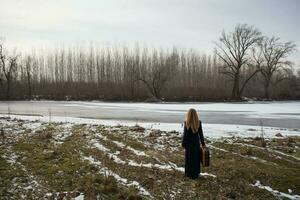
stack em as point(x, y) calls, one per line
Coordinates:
point(245, 63)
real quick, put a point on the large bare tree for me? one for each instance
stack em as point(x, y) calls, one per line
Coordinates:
point(275, 68)
point(234, 50)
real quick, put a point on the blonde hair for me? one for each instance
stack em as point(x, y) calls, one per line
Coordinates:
point(192, 120)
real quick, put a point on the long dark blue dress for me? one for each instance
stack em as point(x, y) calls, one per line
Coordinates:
point(191, 143)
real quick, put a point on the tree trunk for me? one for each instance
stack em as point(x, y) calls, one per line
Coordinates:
point(246, 81)
point(29, 88)
point(267, 88)
point(1, 86)
point(236, 87)
point(8, 89)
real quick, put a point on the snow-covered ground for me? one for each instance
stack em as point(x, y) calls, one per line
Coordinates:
point(111, 149)
point(210, 130)
point(276, 193)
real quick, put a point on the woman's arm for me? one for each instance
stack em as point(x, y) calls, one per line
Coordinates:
point(200, 131)
point(184, 138)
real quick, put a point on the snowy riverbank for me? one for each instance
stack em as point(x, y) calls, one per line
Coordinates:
point(54, 157)
point(210, 130)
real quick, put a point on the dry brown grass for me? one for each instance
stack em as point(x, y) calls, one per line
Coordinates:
point(61, 171)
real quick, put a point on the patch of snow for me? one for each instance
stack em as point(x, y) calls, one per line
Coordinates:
point(119, 144)
point(11, 158)
point(132, 162)
point(80, 197)
point(31, 183)
point(91, 160)
point(163, 167)
point(33, 126)
point(29, 187)
point(244, 156)
point(211, 146)
point(275, 192)
point(142, 190)
point(136, 152)
point(61, 136)
point(116, 159)
point(268, 149)
point(124, 181)
point(99, 146)
point(207, 174)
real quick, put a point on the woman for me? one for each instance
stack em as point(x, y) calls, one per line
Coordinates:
point(192, 135)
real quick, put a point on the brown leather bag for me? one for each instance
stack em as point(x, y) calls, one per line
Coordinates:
point(204, 156)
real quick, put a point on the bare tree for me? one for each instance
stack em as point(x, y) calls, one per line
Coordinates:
point(9, 68)
point(233, 49)
point(275, 68)
point(29, 72)
point(159, 72)
point(1, 81)
point(298, 82)
point(2, 63)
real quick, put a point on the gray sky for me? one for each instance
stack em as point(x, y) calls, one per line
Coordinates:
point(27, 24)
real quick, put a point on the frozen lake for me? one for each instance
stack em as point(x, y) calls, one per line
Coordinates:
point(272, 114)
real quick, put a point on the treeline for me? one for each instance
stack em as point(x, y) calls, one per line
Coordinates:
point(141, 73)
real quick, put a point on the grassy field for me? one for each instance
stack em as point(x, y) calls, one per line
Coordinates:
point(63, 161)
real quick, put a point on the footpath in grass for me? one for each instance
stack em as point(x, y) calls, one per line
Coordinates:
point(41, 160)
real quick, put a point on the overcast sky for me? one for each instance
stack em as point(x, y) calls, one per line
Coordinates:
point(27, 24)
